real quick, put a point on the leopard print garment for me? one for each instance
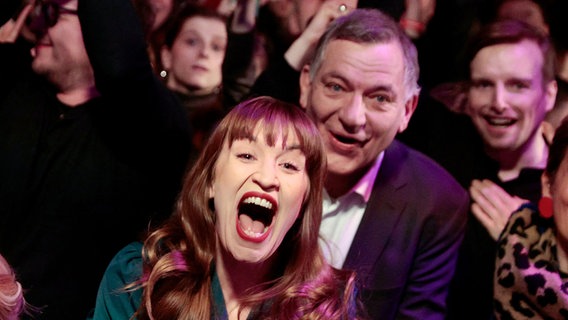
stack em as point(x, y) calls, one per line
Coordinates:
point(528, 283)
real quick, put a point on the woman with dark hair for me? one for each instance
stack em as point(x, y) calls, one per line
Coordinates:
point(243, 240)
point(531, 277)
point(207, 64)
point(193, 51)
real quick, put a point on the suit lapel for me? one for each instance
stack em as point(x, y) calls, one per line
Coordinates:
point(382, 213)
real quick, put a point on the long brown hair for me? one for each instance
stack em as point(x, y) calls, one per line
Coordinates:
point(179, 257)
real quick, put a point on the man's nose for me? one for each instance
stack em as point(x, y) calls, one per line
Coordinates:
point(352, 115)
point(499, 98)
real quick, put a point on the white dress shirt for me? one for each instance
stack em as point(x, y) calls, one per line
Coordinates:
point(342, 216)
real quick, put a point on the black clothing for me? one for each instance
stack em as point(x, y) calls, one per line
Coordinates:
point(238, 71)
point(279, 81)
point(8, 9)
point(471, 293)
point(415, 208)
point(453, 141)
point(203, 113)
point(79, 183)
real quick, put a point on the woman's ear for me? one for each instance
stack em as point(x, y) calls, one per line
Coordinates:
point(545, 182)
point(166, 56)
point(547, 131)
point(211, 192)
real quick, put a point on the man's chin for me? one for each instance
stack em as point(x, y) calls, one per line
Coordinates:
point(39, 66)
point(343, 171)
point(339, 170)
point(341, 164)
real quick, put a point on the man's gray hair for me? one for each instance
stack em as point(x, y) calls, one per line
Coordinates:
point(371, 26)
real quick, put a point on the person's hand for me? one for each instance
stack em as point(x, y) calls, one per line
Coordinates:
point(10, 31)
point(492, 205)
point(328, 11)
point(416, 16)
point(301, 50)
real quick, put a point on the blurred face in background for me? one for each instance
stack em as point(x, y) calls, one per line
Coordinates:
point(196, 57)
point(508, 97)
point(59, 53)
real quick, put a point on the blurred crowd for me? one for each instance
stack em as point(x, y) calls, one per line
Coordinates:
point(105, 106)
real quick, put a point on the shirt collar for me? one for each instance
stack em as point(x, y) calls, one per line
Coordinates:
point(365, 185)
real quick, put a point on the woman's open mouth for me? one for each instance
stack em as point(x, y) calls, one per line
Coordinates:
point(255, 216)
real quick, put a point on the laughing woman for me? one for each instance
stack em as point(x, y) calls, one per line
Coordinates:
point(243, 241)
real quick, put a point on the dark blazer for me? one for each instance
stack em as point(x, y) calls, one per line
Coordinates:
point(406, 246)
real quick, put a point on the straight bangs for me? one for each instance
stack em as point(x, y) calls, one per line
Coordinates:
point(274, 119)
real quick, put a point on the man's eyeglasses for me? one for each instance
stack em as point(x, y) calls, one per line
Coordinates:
point(49, 12)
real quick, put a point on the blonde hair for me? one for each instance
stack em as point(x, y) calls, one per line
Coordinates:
point(179, 256)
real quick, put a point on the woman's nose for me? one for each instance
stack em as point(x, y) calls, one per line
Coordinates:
point(266, 176)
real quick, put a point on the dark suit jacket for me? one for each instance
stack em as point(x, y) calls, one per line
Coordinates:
point(406, 246)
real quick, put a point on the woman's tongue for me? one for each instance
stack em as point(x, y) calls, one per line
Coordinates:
point(249, 225)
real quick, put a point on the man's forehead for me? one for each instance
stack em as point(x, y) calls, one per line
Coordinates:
point(524, 47)
point(391, 50)
point(380, 57)
point(518, 55)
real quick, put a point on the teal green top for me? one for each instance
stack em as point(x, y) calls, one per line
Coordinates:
point(113, 302)
point(126, 267)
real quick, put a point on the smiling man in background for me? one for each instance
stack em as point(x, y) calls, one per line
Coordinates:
point(511, 89)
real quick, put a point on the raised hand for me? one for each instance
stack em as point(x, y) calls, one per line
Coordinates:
point(10, 31)
point(301, 50)
point(416, 16)
point(492, 205)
